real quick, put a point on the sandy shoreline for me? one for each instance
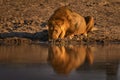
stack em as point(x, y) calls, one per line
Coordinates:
point(27, 19)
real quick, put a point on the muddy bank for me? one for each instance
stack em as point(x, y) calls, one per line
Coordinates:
point(28, 19)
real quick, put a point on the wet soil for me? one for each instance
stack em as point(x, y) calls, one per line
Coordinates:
point(27, 19)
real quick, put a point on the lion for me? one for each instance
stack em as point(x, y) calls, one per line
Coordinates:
point(67, 23)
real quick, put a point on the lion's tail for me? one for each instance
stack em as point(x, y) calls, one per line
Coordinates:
point(94, 29)
point(90, 24)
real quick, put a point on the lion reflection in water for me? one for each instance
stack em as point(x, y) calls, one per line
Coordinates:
point(65, 59)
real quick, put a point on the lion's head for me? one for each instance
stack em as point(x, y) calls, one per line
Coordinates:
point(55, 29)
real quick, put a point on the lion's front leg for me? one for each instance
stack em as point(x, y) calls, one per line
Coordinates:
point(69, 35)
point(62, 35)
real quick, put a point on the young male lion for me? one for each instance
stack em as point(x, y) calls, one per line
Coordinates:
point(66, 23)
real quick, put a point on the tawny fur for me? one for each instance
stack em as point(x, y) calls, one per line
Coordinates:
point(66, 23)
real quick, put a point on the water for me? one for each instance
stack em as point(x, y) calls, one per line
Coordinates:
point(73, 62)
